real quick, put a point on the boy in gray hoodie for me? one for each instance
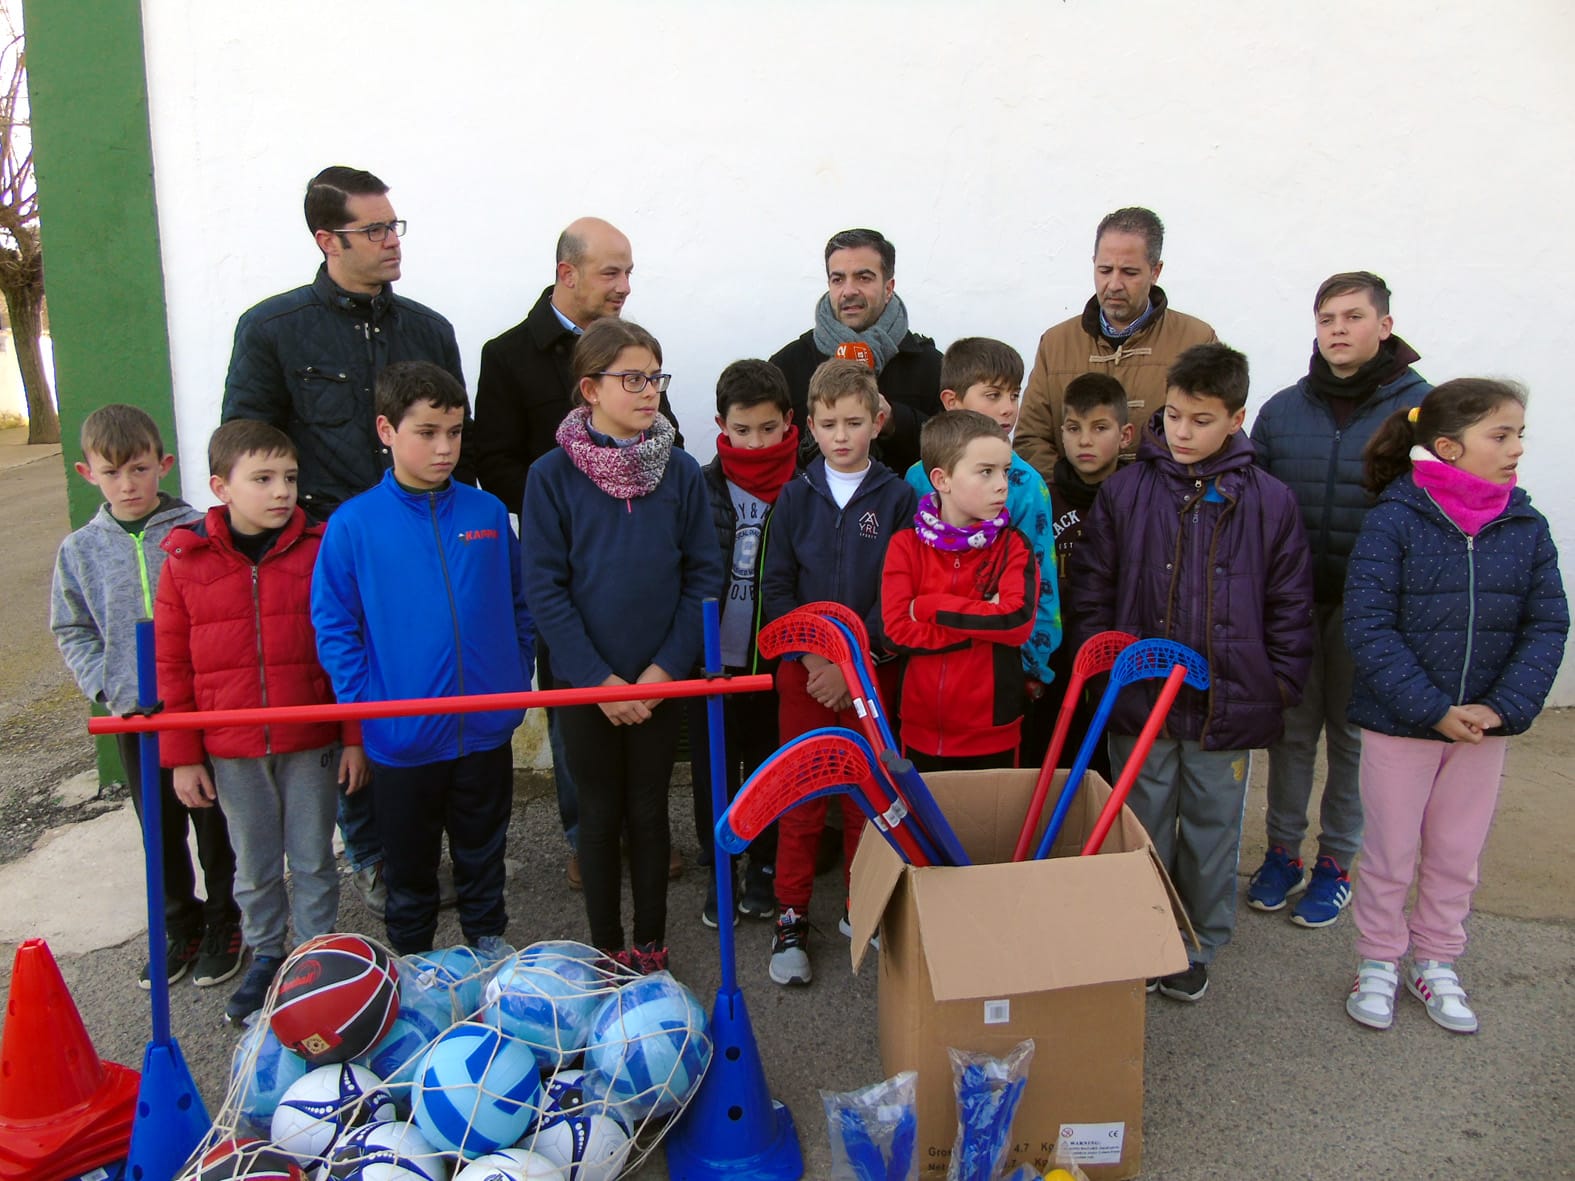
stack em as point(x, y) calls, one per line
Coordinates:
point(106, 574)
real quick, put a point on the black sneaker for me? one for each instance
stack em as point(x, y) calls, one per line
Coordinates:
point(249, 997)
point(180, 953)
point(220, 955)
point(1186, 986)
point(708, 915)
point(759, 900)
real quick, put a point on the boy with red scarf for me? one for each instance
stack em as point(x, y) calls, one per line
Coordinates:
point(958, 598)
point(755, 457)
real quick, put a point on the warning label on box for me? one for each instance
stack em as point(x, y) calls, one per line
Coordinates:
point(1093, 1144)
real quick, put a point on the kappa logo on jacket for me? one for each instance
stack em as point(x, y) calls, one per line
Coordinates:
point(869, 524)
point(469, 535)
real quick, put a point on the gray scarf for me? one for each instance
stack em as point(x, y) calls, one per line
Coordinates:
point(883, 336)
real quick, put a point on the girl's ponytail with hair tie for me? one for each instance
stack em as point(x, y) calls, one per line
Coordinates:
point(1414, 414)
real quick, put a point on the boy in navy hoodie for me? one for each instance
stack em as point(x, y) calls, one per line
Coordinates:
point(418, 593)
point(828, 541)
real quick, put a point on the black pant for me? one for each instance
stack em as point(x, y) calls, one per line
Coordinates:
point(184, 915)
point(471, 798)
point(750, 721)
point(623, 774)
point(998, 761)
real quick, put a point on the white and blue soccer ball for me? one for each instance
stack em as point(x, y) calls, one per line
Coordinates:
point(324, 1104)
point(476, 1091)
point(261, 1071)
point(511, 1164)
point(649, 1044)
point(588, 1143)
point(386, 1151)
point(460, 970)
point(398, 1056)
point(546, 997)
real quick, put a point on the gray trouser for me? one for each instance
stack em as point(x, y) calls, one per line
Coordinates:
point(1324, 700)
point(1191, 801)
point(279, 807)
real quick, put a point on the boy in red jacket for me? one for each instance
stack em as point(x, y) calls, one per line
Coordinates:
point(958, 596)
point(234, 628)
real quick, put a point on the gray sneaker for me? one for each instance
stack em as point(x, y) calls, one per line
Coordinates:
point(370, 885)
point(789, 958)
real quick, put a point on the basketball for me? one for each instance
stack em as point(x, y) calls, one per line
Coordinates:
point(587, 1144)
point(476, 1091)
point(336, 997)
point(386, 1152)
point(261, 1070)
point(396, 1058)
point(510, 1164)
point(325, 1104)
point(546, 996)
point(233, 1160)
point(648, 1042)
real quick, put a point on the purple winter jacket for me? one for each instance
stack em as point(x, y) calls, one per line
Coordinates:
point(1232, 580)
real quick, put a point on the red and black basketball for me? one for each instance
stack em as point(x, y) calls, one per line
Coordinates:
point(251, 1160)
point(337, 996)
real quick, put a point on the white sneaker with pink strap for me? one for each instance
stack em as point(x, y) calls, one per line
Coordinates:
point(1434, 983)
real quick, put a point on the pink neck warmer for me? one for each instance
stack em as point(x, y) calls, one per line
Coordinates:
point(1467, 500)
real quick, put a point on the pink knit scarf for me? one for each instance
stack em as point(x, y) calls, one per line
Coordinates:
point(1467, 500)
point(623, 472)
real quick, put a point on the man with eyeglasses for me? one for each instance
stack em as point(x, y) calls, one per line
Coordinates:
point(526, 387)
point(306, 360)
point(861, 315)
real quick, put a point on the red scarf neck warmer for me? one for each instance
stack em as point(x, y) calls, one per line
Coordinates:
point(764, 472)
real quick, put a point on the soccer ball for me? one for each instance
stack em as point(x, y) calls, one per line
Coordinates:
point(586, 1143)
point(335, 998)
point(323, 1105)
point(545, 996)
point(476, 1090)
point(386, 1152)
point(396, 1058)
point(510, 1164)
point(648, 1042)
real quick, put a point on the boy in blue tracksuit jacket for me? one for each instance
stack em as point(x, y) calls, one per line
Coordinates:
point(418, 593)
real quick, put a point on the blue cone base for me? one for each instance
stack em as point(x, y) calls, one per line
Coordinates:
point(171, 1119)
point(732, 1127)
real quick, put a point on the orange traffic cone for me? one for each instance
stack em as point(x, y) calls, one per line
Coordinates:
point(62, 1110)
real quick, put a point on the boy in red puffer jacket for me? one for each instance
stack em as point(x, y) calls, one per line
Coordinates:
point(959, 593)
point(234, 629)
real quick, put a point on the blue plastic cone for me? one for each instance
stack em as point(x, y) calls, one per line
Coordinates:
point(732, 1128)
point(171, 1120)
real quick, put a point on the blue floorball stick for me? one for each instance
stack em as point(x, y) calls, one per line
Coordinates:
point(900, 770)
point(1145, 660)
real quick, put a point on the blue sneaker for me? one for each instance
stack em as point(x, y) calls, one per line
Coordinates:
point(1328, 893)
point(1276, 880)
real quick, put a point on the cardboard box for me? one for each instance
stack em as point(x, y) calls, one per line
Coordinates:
point(981, 957)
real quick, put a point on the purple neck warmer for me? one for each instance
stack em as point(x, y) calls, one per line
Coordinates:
point(934, 531)
point(623, 472)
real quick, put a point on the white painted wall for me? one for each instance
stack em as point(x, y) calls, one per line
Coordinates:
point(1424, 139)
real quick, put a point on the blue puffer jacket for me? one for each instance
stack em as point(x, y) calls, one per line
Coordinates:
point(816, 551)
point(1435, 618)
point(1299, 444)
point(1229, 578)
point(419, 594)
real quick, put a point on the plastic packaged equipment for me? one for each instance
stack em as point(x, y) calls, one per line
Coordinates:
point(873, 1130)
point(988, 1092)
point(553, 1062)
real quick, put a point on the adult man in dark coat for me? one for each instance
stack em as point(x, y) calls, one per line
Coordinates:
point(861, 305)
point(526, 384)
point(307, 360)
point(525, 389)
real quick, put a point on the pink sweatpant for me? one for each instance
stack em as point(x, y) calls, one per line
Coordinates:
point(1436, 800)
